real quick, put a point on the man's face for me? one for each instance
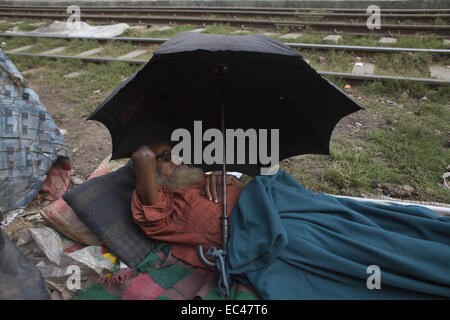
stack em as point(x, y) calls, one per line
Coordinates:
point(164, 166)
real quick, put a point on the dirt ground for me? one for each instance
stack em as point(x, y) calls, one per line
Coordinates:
point(89, 142)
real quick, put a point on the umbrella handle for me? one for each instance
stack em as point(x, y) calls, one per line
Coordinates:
point(202, 258)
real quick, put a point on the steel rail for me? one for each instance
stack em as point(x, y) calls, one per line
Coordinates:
point(237, 9)
point(335, 16)
point(353, 28)
point(342, 75)
point(367, 49)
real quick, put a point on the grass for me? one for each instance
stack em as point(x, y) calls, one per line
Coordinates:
point(410, 147)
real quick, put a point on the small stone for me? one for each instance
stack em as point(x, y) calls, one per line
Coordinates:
point(387, 40)
point(440, 72)
point(333, 37)
point(390, 102)
point(198, 30)
point(291, 36)
point(77, 180)
point(363, 68)
point(403, 191)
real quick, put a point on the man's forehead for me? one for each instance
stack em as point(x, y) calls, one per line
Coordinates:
point(160, 147)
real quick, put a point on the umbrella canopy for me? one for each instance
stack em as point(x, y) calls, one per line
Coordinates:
point(260, 82)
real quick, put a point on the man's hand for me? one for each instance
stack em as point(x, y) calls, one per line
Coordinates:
point(213, 185)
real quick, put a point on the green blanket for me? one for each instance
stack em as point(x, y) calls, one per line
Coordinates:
point(292, 243)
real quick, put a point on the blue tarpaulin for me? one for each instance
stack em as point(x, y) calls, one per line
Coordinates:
point(30, 141)
point(293, 243)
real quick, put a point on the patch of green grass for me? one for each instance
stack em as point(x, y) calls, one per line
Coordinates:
point(332, 60)
point(77, 46)
point(220, 29)
point(44, 44)
point(409, 148)
point(15, 42)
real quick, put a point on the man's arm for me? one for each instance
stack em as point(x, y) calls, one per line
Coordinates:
point(144, 165)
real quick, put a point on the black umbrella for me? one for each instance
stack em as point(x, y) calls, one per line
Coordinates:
point(249, 82)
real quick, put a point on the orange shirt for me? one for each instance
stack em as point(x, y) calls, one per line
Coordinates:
point(184, 218)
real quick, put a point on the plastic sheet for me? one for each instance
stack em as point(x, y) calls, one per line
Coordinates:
point(30, 142)
point(57, 257)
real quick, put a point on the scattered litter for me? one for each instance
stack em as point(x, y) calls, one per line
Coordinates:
point(96, 91)
point(333, 37)
point(56, 257)
point(424, 99)
point(77, 180)
point(445, 176)
point(363, 68)
point(347, 86)
point(36, 216)
point(74, 150)
point(387, 40)
point(84, 29)
point(63, 131)
point(292, 36)
point(390, 102)
point(198, 30)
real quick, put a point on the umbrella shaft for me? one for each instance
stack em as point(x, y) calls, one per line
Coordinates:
point(224, 183)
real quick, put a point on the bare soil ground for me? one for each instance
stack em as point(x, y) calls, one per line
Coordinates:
point(88, 141)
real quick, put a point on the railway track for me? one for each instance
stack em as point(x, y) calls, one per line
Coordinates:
point(322, 15)
point(135, 40)
point(335, 27)
point(347, 76)
point(341, 75)
point(237, 9)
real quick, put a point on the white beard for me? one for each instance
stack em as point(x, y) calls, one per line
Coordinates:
point(183, 177)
